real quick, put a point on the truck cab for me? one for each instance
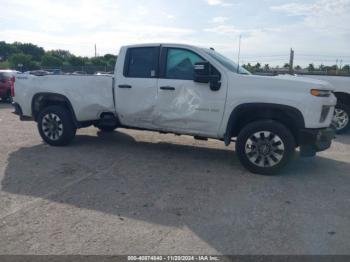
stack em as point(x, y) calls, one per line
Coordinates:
point(183, 89)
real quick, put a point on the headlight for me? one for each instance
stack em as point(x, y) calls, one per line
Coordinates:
point(321, 92)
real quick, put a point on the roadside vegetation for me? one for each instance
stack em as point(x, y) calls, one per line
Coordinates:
point(26, 57)
point(310, 69)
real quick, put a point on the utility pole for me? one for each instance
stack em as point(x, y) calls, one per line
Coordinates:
point(336, 67)
point(239, 52)
point(291, 62)
point(95, 51)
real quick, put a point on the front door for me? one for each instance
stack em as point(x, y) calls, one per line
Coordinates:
point(183, 105)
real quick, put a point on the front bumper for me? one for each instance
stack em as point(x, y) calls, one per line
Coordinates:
point(315, 140)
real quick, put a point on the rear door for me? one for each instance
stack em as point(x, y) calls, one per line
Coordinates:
point(136, 86)
point(183, 105)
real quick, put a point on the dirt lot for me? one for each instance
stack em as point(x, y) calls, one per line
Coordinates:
point(133, 192)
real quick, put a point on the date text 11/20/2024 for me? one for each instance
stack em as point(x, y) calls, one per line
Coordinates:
point(173, 258)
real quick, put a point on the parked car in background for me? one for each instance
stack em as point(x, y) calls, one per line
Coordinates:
point(341, 120)
point(99, 73)
point(79, 73)
point(55, 71)
point(39, 73)
point(7, 80)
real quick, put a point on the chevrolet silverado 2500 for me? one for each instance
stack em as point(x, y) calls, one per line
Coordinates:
point(184, 89)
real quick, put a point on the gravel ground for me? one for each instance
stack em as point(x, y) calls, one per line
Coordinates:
point(132, 192)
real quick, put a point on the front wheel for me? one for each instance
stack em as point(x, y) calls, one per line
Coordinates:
point(264, 147)
point(56, 126)
point(341, 118)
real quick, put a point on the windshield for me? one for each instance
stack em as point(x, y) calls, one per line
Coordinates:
point(228, 63)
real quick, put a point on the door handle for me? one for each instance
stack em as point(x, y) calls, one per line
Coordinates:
point(169, 88)
point(124, 86)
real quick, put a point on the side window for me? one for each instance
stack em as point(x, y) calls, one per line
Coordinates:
point(141, 62)
point(180, 64)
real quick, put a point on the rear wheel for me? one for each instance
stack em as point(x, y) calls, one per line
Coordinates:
point(56, 126)
point(341, 118)
point(264, 147)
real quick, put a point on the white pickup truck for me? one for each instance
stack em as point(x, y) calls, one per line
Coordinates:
point(341, 120)
point(184, 89)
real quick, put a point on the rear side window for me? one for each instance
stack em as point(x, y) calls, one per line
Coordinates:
point(141, 62)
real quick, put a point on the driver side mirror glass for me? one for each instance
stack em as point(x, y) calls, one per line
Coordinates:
point(203, 73)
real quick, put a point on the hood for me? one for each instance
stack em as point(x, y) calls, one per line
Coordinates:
point(305, 80)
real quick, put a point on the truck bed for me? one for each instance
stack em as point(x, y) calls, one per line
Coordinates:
point(89, 95)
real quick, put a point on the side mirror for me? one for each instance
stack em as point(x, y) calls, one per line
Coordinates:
point(203, 74)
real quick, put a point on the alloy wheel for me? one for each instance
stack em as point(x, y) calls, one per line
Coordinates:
point(340, 119)
point(264, 149)
point(52, 126)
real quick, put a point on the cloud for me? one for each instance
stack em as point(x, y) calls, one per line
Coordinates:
point(218, 3)
point(107, 41)
point(223, 29)
point(313, 27)
point(219, 19)
point(78, 25)
point(293, 9)
point(329, 17)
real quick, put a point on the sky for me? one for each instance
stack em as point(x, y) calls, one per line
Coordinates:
point(318, 30)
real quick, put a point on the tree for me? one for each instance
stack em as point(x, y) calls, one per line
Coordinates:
point(110, 59)
point(16, 60)
point(286, 65)
point(29, 49)
point(249, 67)
point(321, 67)
point(6, 50)
point(298, 67)
point(63, 55)
point(311, 68)
point(4, 65)
point(346, 69)
point(98, 61)
point(257, 66)
point(76, 61)
point(266, 67)
point(51, 61)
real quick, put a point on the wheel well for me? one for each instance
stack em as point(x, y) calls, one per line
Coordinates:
point(343, 97)
point(43, 100)
point(290, 117)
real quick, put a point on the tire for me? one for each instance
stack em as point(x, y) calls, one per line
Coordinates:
point(265, 147)
point(56, 126)
point(341, 119)
point(107, 129)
